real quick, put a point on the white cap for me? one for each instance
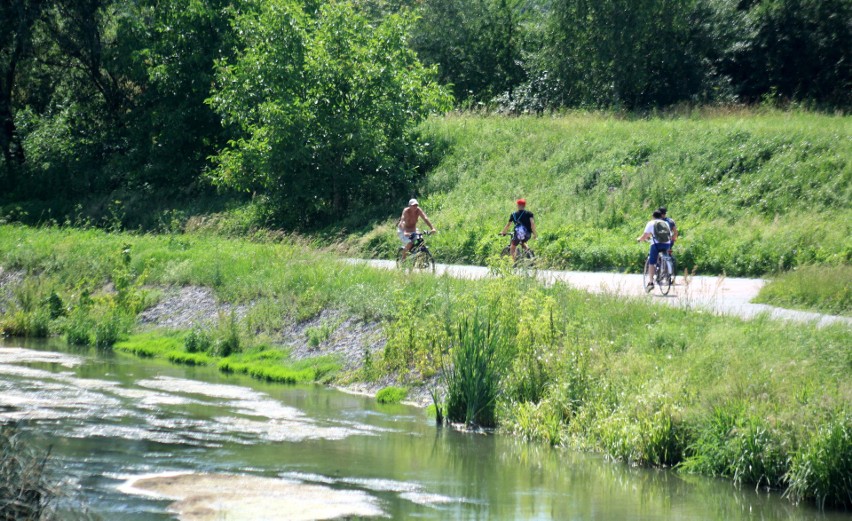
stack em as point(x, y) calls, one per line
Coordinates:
point(412, 202)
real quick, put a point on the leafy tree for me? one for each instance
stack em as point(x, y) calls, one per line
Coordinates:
point(795, 49)
point(326, 105)
point(625, 53)
point(17, 18)
point(476, 45)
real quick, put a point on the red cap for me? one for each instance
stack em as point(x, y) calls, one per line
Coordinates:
point(522, 201)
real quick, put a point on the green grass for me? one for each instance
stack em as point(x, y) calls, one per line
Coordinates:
point(827, 289)
point(273, 365)
point(754, 401)
point(752, 193)
point(391, 395)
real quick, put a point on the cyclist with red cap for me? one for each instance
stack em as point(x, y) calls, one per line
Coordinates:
point(524, 227)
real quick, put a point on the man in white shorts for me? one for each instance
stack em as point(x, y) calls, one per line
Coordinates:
point(408, 224)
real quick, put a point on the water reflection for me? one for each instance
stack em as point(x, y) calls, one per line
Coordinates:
point(115, 417)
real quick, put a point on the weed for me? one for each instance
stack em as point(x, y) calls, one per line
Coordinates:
point(316, 335)
point(24, 490)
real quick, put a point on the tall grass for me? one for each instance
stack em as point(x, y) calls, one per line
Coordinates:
point(820, 288)
point(822, 469)
point(480, 356)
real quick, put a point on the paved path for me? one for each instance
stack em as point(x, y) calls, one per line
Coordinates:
point(723, 295)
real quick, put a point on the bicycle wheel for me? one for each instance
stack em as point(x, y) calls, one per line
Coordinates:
point(399, 257)
point(424, 260)
point(664, 278)
point(506, 252)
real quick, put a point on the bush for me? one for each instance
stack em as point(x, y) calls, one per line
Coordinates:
point(318, 334)
point(732, 444)
point(390, 395)
point(78, 328)
point(34, 324)
point(109, 329)
point(197, 341)
point(228, 337)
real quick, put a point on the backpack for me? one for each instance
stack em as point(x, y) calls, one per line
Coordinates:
point(662, 231)
point(521, 232)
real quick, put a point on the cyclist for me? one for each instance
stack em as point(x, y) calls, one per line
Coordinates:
point(660, 234)
point(407, 224)
point(524, 227)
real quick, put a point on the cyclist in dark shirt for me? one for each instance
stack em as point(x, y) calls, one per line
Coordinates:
point(524, 226)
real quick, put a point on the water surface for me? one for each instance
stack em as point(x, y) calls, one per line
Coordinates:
point(111, 418)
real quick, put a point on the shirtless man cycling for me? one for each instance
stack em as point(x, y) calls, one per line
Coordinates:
point(407, 225)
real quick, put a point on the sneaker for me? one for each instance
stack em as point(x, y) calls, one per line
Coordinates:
point(650, 287)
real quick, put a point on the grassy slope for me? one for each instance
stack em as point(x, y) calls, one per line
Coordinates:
point(752, 193)
point(816, 288)
point(641, 383)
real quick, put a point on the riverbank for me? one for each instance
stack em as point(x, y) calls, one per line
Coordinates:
point(759, 402)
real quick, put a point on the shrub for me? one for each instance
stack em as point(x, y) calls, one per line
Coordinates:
point(109, 329)
point(228, 336)
point(316, 335)
point(55, 305)
point(733, 444)
point(35, 324)
point(197, 341)
point(78, 328)
point(390, 395)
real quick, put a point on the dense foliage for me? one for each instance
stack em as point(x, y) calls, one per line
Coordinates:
point(328, 108)
point(108, 99)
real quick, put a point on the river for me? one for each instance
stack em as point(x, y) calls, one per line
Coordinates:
point(132, 437)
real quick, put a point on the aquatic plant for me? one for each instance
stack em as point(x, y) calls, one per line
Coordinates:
point(479, 355)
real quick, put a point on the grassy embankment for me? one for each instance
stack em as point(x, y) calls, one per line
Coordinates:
point(759, 402)
point(753, 193)
point(820, 288)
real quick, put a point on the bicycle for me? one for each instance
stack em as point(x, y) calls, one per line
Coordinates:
point(525, 257)
point(419, 256)
point(664, 274)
